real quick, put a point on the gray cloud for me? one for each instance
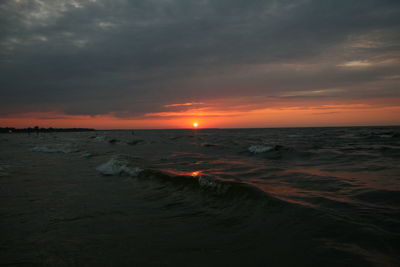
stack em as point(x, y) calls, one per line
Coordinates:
point(134, 57)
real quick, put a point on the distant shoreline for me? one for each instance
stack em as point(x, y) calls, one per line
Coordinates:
point(53, 130)
point(42, 130)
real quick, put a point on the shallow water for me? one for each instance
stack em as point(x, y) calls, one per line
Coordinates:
point(205, 197)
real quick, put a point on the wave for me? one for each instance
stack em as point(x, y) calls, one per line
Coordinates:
point(251, 210)
point(192, 181)
point(278, 152)
point(56, 148)
point(135, 142)
point(86, 155)
point(383, 134)
point(119, 164)
point(99, 138)
point(256, 149)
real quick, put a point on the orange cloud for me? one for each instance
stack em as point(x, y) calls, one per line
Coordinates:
point(183, 104)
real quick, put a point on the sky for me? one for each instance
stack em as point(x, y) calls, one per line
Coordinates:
point(120, 64)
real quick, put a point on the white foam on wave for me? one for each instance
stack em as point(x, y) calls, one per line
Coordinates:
point(100, 138)
point(119, 164)
point(56, 148)
point(209, 182)
point(256, 149)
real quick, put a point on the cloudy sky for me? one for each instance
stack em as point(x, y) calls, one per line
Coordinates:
point(223, 63)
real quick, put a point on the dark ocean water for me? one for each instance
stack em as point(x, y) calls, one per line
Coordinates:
point(328, 192)
point(336, 190)
point(237, 197)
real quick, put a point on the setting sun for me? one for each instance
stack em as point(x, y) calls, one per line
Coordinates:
point(195, 124)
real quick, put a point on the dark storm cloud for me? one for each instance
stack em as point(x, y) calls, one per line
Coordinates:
point(133, 57)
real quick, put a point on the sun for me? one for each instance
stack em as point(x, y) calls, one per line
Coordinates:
point(195, 124)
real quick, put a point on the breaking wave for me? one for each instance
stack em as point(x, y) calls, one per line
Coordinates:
point(193, 182)
point(120, 164)
point(56, 148)
point(256, 149)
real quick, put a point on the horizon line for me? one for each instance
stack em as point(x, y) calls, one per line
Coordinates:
point(205, 128)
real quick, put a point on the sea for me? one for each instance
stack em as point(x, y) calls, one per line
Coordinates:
point(202, 197)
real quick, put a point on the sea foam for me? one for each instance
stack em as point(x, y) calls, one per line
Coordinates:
point(208, 182)
point(256, 149)
point(100, 138)
point(57, 148)
point(119, 164)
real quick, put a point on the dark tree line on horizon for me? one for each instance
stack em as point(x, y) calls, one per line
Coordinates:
point(38, 129)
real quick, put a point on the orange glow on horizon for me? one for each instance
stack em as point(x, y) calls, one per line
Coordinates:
point(374, 112)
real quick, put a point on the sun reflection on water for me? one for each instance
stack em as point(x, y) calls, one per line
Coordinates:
point(195, 173)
